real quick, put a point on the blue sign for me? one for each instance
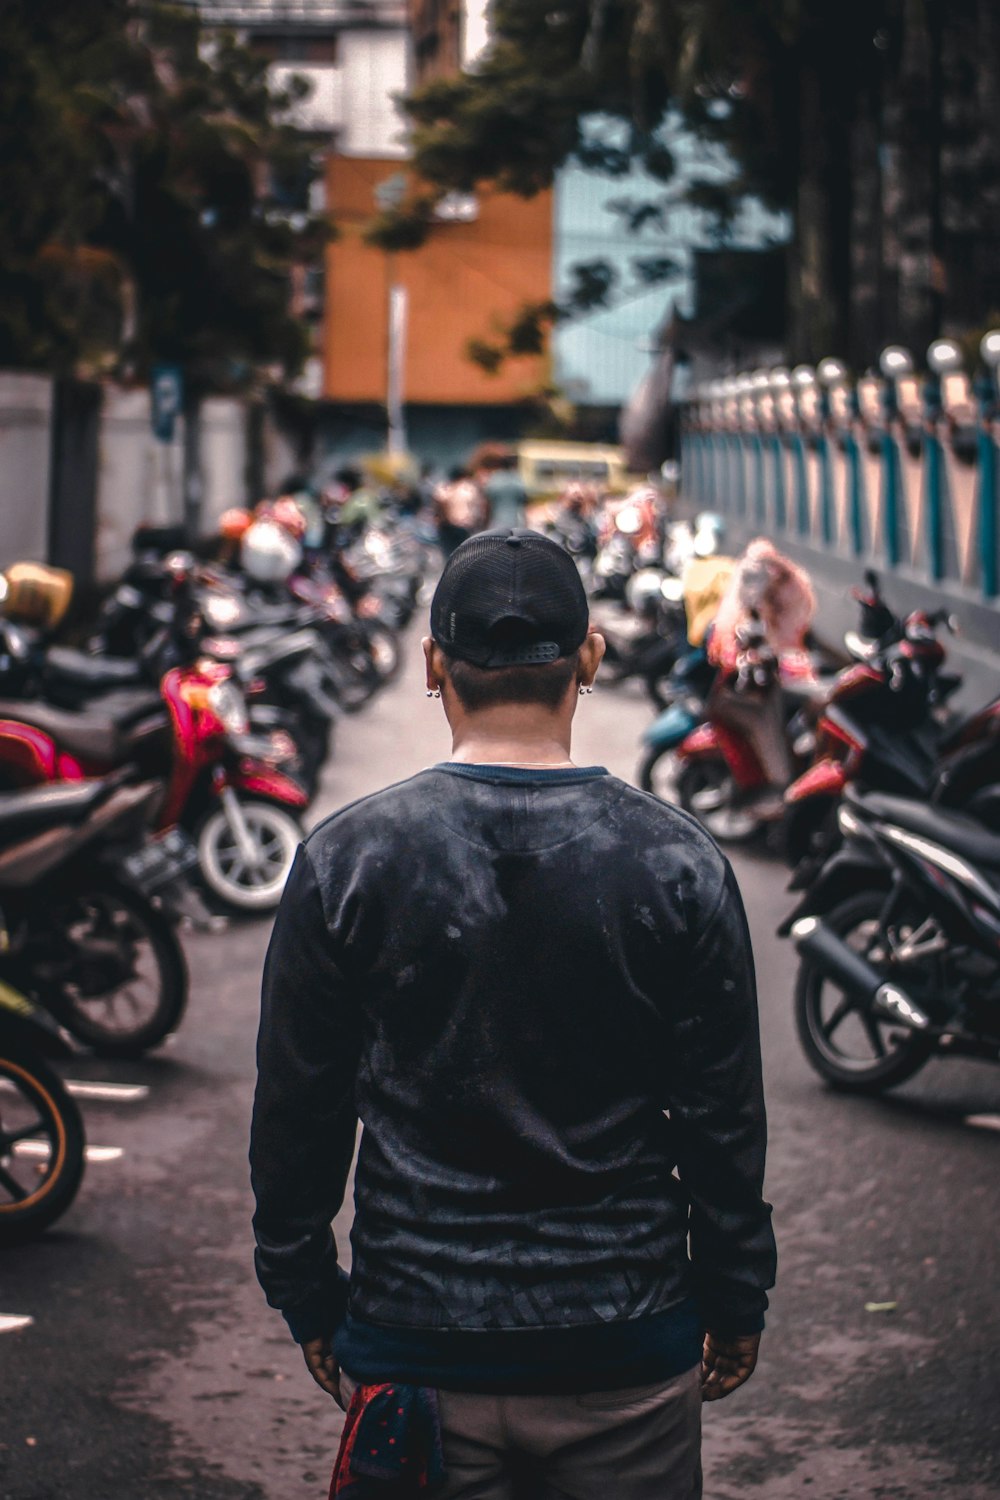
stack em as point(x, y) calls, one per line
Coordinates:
point(167, 397)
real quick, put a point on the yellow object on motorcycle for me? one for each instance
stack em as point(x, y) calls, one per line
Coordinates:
point(36, 594)
point(12, 1000)
point(705, 582)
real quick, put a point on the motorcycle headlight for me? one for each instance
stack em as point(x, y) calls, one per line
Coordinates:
point(229, 707)
point(221, 610)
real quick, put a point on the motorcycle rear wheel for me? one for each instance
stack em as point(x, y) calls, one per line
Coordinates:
point(37, 1185)
point(113, 1021)
point(875, 1054)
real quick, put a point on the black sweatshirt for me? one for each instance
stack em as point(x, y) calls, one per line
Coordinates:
point(536, 991)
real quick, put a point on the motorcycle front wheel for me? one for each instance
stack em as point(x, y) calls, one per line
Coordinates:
point(843, 1039)
point(247, 878)
point(386, 655)
point(113, 970)
point(41, 1146)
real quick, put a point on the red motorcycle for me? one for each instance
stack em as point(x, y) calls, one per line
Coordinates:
point(719, 773)
point(225, 787)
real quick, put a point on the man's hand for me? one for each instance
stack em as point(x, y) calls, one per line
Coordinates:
point(323, 1367)
point(726, 1364)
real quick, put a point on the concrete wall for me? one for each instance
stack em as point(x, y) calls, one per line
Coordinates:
point(223, 452)
point(25, 419)
point(139, 480)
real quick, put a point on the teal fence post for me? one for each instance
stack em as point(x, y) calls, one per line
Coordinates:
point(890, 474)
point(934, 475)
point(987, 489)
point(780, 517)
point(825, 474)
point(801, 487)
point(760, 478)
point(739, 474)
point(853, 454)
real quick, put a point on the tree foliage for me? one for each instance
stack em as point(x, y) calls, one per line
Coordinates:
point(871, 122)
point(146, 182)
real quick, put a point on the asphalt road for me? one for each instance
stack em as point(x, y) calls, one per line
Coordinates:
point(153, 1369)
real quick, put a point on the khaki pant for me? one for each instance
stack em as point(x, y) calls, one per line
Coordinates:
point(638, 1444)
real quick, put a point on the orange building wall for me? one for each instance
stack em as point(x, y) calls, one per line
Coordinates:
point(460, 283)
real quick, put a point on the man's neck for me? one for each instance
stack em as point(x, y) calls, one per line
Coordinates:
point(541, 739)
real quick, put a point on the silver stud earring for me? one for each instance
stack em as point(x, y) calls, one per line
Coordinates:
point(585, 690)
point(433, 692)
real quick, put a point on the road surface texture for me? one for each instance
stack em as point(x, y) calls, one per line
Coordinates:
point(154, 1371)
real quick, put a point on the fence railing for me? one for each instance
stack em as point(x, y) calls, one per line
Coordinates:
point(895, 468)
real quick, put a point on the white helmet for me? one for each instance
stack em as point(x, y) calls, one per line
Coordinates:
point(268, 553)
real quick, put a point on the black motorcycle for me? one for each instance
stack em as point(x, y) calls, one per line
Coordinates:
point(80, 931)
point(41, 1132)
point(899, 939)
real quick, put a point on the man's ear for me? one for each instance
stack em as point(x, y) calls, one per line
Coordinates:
point(591, 655)
point(433, 664)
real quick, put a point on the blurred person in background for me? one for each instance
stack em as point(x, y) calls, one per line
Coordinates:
point(459, 508)
point(505, 494)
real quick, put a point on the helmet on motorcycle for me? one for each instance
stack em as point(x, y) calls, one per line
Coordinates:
point(268, 553)
point(709, 530)
point(37, 595)
point(287, 514)
point(234, 522)
point(643, 591)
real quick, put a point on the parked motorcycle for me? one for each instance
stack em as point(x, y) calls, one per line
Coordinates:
point(224, 787)
point(79, 931)
point(885, 726)
point(898, 938)
point(646, 642)
point(716, 771)
point(41, 1131)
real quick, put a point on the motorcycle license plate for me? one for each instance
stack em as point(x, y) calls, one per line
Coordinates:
point(162, 860)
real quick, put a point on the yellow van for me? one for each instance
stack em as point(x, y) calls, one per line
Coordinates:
point(546, 468)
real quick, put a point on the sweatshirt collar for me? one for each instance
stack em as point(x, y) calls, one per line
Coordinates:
point(518, 775)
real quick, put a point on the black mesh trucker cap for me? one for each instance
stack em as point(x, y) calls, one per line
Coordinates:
point(507, 599)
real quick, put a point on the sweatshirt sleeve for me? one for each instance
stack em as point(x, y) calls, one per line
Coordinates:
point(716, 1105)
point(304, 1115)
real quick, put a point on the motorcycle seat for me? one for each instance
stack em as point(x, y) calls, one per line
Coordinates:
point(23, 814)
point(93, 738)
point(90, 671)
point(954, 830)
point(125, 705)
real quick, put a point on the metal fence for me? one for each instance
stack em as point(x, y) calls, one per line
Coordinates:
point(896, 468)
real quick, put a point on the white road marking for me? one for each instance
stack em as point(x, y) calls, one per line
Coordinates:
point(117, 1093)
point(10, 1322)
point(983, 1122)
point(43, 1149)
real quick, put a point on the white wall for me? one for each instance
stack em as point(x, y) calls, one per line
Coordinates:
point(25, 419)
point(223, 458)
point(138, 480)
point(375, 67)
